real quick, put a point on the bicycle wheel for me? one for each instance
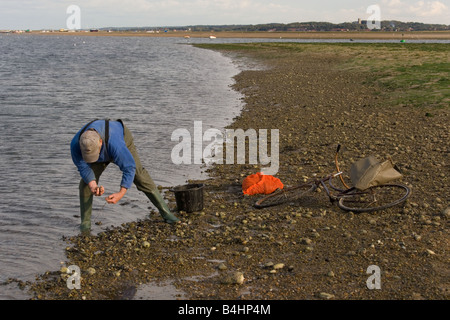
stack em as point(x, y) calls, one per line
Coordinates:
point(284, 195)
point(374, 198)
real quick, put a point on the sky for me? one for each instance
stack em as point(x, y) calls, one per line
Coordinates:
point(52, 14)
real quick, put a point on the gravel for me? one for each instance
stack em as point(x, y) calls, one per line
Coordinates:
point(315, 105)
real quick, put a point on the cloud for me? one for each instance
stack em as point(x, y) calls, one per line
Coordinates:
point(426, 11)
point(428, 8)
point(164, 6)
point(178, 12)
point(106, 13)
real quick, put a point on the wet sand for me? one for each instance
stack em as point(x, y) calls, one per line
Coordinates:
point(312, 250)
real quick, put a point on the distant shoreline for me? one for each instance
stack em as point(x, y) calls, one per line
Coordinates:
point(418, 35)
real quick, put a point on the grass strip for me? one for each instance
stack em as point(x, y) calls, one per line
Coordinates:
point(409, 74)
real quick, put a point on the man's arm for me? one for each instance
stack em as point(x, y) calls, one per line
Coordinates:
point(123, 158)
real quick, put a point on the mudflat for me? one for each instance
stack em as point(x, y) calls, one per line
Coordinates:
point(382, 100)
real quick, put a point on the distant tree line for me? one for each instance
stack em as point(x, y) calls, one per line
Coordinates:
point(360, 25)
point(325, 26)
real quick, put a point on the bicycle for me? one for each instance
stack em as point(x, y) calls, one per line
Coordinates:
point(374, 198)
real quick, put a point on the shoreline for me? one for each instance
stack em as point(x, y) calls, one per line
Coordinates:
point(321, 251)
point(368, 35)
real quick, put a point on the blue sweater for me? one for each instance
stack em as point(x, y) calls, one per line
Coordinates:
point(117, 153)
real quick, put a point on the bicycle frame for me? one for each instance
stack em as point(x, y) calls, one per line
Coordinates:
point(341, 193)
point(327, 190)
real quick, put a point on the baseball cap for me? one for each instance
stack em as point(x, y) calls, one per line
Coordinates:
point(90, 145)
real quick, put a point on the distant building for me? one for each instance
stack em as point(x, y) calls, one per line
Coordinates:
point(362, 21)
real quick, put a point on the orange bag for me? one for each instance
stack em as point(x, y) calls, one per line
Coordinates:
point(260, 183)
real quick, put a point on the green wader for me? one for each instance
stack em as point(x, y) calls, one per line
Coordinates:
point(142, 180)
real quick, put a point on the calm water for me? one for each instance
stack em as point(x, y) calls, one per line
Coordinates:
point(49, 88)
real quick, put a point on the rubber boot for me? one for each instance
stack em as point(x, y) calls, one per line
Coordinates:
point(85, 211)
point(158, 201)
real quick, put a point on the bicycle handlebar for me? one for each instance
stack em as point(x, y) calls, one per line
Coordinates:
point(337, 166)
point(337, 174)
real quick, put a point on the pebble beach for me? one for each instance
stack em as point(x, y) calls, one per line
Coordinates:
point(296, 251)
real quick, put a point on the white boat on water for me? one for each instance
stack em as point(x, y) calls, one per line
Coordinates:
point(212, 37)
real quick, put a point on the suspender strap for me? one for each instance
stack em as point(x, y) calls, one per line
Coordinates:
point(106, 134)
point(85, 127)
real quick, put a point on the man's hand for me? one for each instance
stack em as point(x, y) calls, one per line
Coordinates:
point(115, 197)
point(95, 189)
